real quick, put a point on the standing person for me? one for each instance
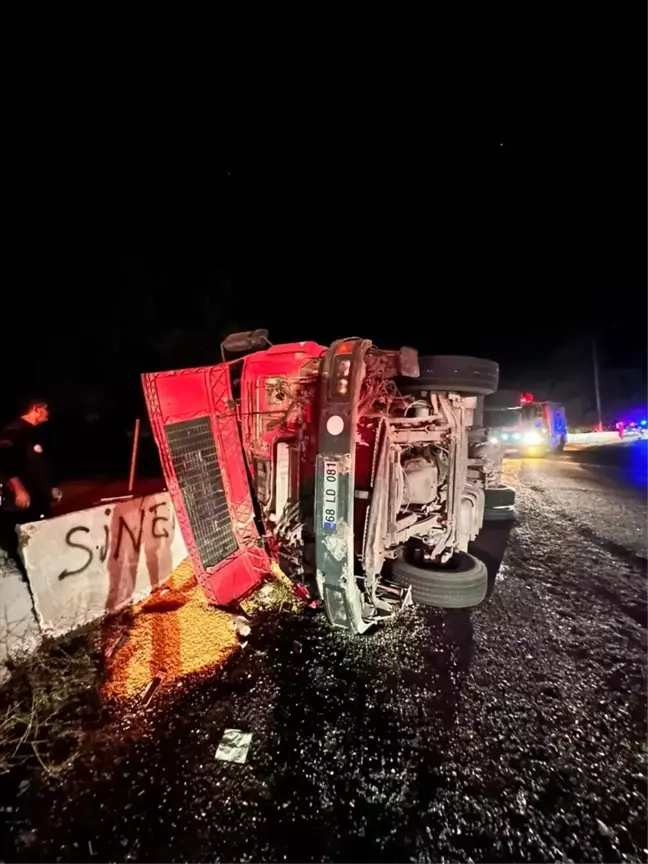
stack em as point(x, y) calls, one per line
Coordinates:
point(28, 488)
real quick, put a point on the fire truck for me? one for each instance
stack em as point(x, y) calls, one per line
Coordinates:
point(527, 427)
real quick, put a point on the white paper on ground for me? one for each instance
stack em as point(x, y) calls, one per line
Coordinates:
point(234, 746)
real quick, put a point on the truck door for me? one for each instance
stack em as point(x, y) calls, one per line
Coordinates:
point(196, 428)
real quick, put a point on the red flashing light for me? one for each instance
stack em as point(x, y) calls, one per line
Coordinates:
point(525, 398)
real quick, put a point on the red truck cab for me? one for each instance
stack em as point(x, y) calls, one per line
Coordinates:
point(347, 465)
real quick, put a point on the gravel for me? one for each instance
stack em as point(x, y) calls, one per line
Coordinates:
point(516, 733)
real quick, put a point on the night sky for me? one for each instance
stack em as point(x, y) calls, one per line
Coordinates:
point(489, 203)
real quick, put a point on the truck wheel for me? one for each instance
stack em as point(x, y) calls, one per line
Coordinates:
point(499, 514)
point(499, 504)
point(459, 584)
point(472, 376)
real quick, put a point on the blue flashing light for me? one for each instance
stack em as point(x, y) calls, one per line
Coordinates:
point(643, 422)
point(505, 436)
point(516, 436)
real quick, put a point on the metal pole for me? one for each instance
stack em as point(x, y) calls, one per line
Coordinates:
point(131, 479)
point(596, 386)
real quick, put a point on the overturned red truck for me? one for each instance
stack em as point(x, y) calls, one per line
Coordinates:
point(366, 472)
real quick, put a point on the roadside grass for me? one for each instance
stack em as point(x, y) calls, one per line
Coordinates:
point(48, 706)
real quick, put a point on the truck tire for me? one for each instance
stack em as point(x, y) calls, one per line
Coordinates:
point(459, 584)
point(471, 376)
point(500, 496)
point(499, 504)
point(499, 514)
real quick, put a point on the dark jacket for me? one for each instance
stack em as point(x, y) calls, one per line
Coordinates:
point(22, 455)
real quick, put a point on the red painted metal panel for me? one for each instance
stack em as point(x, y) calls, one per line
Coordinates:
point(188, 394)
point(268, 418)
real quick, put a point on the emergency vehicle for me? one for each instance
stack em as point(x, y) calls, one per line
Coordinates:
point(527, 427)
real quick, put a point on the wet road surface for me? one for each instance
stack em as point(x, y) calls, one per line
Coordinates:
point(516, 733)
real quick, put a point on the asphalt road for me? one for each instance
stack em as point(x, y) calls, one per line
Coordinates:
point(516, 733)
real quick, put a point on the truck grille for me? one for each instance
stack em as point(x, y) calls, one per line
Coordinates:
point(195, 462)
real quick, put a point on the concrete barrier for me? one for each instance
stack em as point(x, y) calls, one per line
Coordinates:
point(591, 439)
point(20, 634)
point(94, 562)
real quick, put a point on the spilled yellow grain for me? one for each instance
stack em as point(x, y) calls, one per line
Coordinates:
point(173, 633)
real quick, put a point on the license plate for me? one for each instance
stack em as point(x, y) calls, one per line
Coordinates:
point(330, 493)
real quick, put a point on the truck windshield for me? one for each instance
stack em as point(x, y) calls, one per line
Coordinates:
point(496, 418)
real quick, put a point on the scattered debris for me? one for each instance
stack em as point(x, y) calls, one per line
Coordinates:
point(407, 600)
point(151, 687)
point(302, 591)
point(241, 625)
point(131, 856)
point(234, 746)
point(117, 644)
point(603, 828)
point(276, 594)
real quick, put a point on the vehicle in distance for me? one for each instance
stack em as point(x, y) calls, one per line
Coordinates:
point(527, 427)
point(633, 430)
point(360, 471)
